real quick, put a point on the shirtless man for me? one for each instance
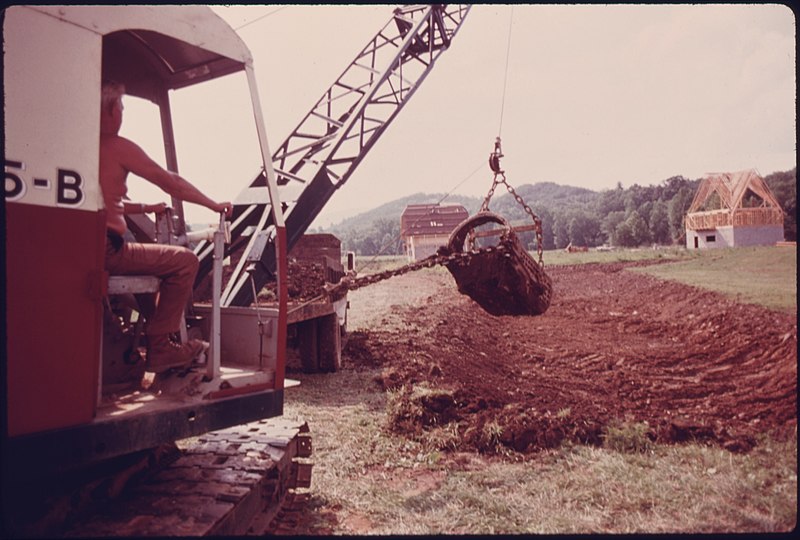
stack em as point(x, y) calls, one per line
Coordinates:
point(176, 266)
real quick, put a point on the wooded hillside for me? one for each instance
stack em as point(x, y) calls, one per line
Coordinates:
point(625, 217)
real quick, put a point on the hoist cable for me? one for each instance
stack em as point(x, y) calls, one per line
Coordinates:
point(505, 75)
point(499, 132)
point(470, 175)
point(273, 12)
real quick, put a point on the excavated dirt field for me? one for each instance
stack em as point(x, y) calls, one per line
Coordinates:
point(615, 346)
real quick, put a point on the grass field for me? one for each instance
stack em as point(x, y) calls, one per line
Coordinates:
point(558, 256)
point(372, 264)
point(759, 275)
point(368, 481)
point(765, 275)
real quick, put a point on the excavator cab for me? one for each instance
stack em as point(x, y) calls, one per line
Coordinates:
point(59, 414)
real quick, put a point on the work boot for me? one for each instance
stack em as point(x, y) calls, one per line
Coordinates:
point(164, 354)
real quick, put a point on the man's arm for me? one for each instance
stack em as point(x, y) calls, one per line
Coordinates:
point(141, 208)
point(135, 160)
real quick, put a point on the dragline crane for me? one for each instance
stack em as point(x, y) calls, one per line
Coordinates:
point(323, 151)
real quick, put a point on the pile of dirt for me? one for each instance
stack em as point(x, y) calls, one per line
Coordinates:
point(305, 280)
point(615, 346)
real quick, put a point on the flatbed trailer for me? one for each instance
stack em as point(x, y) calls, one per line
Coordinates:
point(315, 331)
point(316, 323)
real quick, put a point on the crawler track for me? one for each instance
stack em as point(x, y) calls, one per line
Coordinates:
point(228, 482)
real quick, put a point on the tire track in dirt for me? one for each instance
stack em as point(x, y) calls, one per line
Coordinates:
point(614, 345)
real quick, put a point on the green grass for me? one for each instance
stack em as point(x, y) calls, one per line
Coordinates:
point(627, 437)
point(581, 490)
point(760, 275)
point(371, 264)
point(764, 275)
point(369, 481)
point(560, 257)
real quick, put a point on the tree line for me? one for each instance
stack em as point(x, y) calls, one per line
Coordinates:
point(624, 217)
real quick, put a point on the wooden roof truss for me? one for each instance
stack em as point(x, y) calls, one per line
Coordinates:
point(732, 190)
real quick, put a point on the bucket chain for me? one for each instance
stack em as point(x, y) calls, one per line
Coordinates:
point(500, 178)
point(349, 283)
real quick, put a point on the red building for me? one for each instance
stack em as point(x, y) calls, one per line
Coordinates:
point(425, 227)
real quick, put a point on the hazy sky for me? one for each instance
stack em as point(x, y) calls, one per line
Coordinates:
point(595, 95)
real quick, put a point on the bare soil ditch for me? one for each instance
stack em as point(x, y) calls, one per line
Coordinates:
point(615, 346)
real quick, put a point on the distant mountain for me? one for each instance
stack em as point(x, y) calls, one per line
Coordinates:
point(541, 194)
point(555, 196)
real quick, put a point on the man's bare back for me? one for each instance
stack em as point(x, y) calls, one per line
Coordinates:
point(176, 266)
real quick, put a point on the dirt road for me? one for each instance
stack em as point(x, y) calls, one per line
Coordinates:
point(614, 346)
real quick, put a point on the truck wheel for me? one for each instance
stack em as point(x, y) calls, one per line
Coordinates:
point(330, 343)
point(307, 345)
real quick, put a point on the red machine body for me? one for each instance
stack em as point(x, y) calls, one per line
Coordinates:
point(56, 288)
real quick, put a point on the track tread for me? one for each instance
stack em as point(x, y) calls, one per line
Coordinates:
point(233, 481)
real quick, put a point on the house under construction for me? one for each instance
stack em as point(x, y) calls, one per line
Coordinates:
point(733, 210)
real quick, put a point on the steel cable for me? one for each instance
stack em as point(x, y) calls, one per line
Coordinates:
point(505, 75)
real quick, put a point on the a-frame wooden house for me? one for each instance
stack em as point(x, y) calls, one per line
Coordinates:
point(731, 210)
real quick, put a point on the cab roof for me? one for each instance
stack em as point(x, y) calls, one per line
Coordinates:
point(151, 49)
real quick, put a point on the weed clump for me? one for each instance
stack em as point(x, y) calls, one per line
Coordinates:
point(627, 437)
point(420, 407)
point(490, 436)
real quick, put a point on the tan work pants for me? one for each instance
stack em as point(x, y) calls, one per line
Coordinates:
point(176, 266)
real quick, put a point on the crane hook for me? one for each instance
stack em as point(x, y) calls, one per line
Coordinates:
point(494, 157)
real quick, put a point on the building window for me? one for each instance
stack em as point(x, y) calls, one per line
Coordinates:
point(711, 238)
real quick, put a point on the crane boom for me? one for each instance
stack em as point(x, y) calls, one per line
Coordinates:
point(323, 151)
